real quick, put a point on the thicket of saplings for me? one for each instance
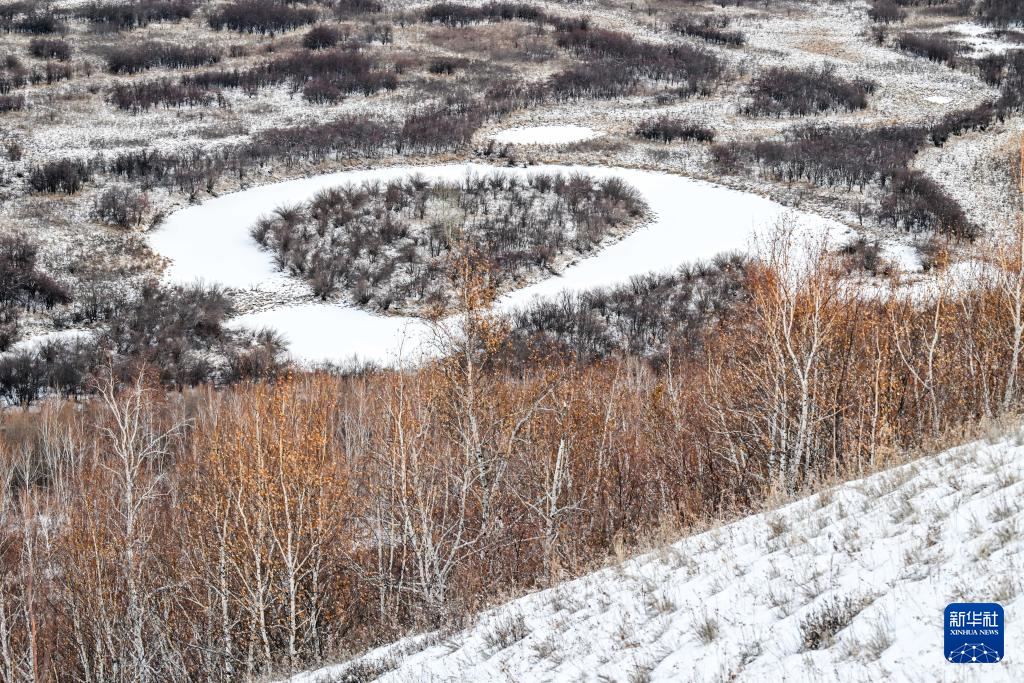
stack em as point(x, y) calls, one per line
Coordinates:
point(393, 245)
point(271, 526)
point(714, 29)
point(178, 330)
point(855, 157)
point(781, 90)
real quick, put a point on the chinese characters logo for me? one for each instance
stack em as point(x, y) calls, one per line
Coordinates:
point(974, 633)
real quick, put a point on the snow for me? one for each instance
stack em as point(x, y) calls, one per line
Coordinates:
point(983, 40)
point(901, 545)
point(37, 340)
point(545, 135)
point(691, 220)
point(938, 99)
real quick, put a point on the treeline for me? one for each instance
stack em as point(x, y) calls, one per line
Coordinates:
point(395, 244)
point(228, 535)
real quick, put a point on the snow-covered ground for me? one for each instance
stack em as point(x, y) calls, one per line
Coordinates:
point(690, 220)
point(883, 556)
point(545, 135)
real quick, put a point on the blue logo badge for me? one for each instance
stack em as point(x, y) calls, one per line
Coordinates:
point(974, 633)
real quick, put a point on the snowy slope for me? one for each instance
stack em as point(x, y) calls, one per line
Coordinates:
point(730, 604)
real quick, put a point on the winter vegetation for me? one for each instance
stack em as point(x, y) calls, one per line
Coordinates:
point(329, 327)
point(395, 245)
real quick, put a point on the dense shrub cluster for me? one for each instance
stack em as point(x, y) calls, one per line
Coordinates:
point(123, 207)
point(62, 175)
point(828, 155)
point(340, 70)
point(324, 76)
point(886, 11)
point(916, 204)
point(780, 90)
point(713, 29)
point(321, 37)
point(457, 14)
point(50, 48)
point(614, 63)
point(136, 96)
point(668, 128)
point(135, 14)
point(40, 23)
point(131, 59)
point(962, 120)
point(51, 73)
point(177, 331)
point(261, 16)
point(13, 74)
point(1000, 12)
point(21, 283)
point(397, 244)
point(439, 129)
point(11, 103)
point(933, 47)
point(653, 316)
point(344, 9)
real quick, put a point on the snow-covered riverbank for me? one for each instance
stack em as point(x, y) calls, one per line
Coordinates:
point(690, 220)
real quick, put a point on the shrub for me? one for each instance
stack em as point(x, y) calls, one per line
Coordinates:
point(615, 62)
point(144, 95)
point(321, 37)
point(132, 59)
point(394, 244)
point(820, 628)
point(457, 14)
point(123, 207)
point(446, 65)
point(117, 16)
point(828, 155)
point(11, 103)
point(12, 74)
point(916, 203)
point(711, 29)
point(650, 316)
point(261, 16)
point(20, 282)
point(40, 23)
point(667, 129)
point(780, 91)
point(886, 11)
point(64, 175)
point(961, 121)
point(1000, 12)
point(348, 8)
point(932, 47)
point(53, 73)
point(50, 48)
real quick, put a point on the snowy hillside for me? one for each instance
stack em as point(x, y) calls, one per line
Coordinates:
point(849, 585)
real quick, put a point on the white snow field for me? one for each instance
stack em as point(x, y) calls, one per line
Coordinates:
point(545, 135)
point(883, 556)
point(690, 220)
